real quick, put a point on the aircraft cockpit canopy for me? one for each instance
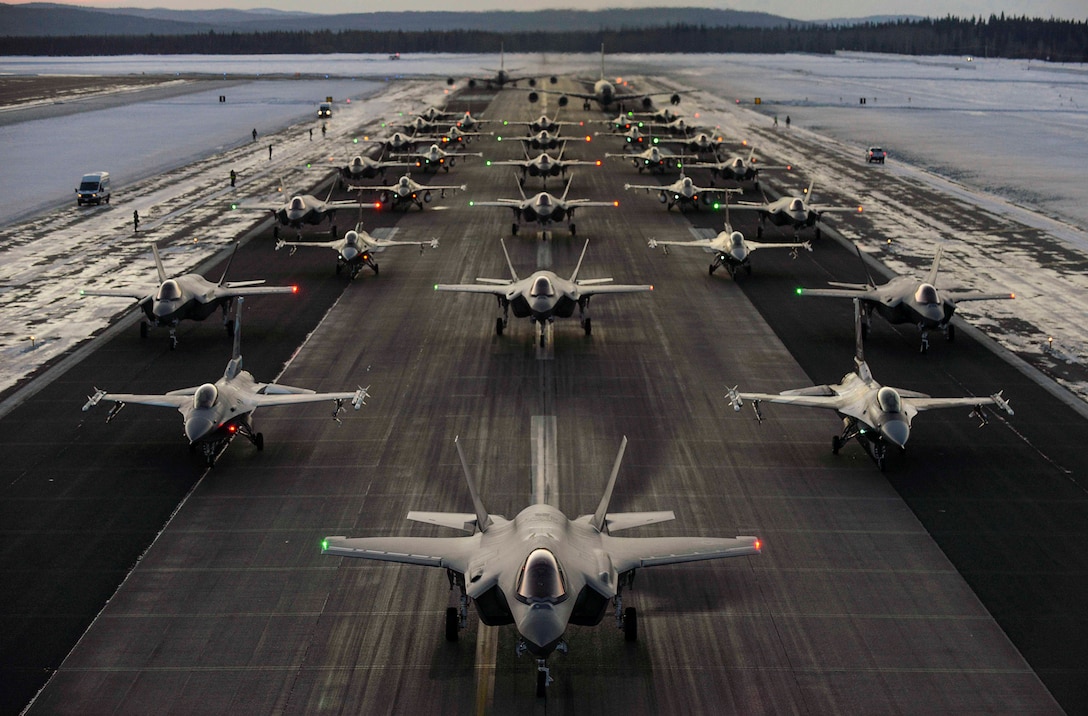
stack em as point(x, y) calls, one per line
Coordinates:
point(797, 204)
point(168, 291)
point(544, 200)
point(889, 400)
point(736, 240)
point(541, 579)
point(687, 183)
point(205, 396)
point(297, 204)
point(351, 238)
point(542, 288)
point(927, 295)
point(738, 163)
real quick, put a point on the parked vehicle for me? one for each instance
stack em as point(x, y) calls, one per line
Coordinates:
point(94, 188)
point(875, 154)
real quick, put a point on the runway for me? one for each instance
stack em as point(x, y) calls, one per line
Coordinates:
point(874, 593)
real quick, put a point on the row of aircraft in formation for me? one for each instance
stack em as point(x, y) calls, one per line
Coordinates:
point(542, 571)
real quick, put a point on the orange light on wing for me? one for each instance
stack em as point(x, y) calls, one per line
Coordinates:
point(232, 428)
point(294, 289)
point(859, 209)
point(589, 138)
point(615, 203)
point(598, 162)
point(1012, 295)
point(758, 545)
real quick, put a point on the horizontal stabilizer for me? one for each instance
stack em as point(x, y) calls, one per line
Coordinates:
point(626, 520)
point(464, 521)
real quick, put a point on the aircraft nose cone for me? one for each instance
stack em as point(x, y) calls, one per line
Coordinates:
point(542, 628)
point(896, 432)
point(162, 309)
point(197, 427)
point(349, 253)
point(932, 313)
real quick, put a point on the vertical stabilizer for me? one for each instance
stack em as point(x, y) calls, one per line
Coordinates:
point(859, 348)
point(932, 278)
point(223, 278)
point(158, 263)
point(483, 520)
point(574, 276)
point(234, 367)
point(602, 60)
point(509, 263)
point(599, 516)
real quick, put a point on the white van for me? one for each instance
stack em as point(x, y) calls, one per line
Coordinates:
point(94, 188)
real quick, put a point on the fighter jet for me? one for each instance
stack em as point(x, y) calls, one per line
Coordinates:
point(434, 158)
point(364, 167)
point(605, 94)
point(187, 297)
point(877, 415)
point(683, 193)
point(793, 211)
point(544, 209)
point(542, 140)
point(655, 160)
point(408, 192)
point(215, 412)
point(543, 123)
point(457, 135)
point(303, 209)
point(541, 571)
point(906, 300)
point(700, 142)
point(543, 296)
point(737, 168)
point(543, 165)
point(355, 250)
point(730, 249)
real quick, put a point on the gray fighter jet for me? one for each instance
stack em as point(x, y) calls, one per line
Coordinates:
point(215, 412)
point(543, 296)
point(302, 209)
point(541, 571)
point(877, 415)
point(187, 297)
point(730, 249)
point(544, 209)
point(543, 165)
point(655, 160)
point(407, 193)
point(684, 193)
point(738, 169)
point(906, 300)
point(434, 158)
point(355, 250)
point(795, 211)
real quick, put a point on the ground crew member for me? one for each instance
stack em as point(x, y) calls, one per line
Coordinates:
point(135, 221)
point(233, 177)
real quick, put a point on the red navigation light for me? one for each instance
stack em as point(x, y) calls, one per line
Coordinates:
point(232, 428)
point(598, 162)
point(615, 203)
point(758, 545)
point(294, 289)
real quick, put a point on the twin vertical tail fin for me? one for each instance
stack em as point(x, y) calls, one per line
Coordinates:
point(932, 278)
point(574, 276)
point(483, 520)
point(598, 519)
point(158, 263)
point(509, 263)
point(223, 278)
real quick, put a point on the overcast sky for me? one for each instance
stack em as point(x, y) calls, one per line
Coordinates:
point(821, 9)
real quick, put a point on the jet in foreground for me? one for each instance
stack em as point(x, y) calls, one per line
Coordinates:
point(543, 296)
point(215, 412)
point(906, 300)
point(187, 297)
point(355, 250)
point(878, 416)
point(541, 571)
point(544, 209)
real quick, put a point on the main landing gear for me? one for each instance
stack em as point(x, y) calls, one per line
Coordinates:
point(583, 314)
point(626, 619)
point(456, 617)
point(501, 321)
point(877, 449)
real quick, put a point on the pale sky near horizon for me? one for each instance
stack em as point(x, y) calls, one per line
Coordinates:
point(821, 9)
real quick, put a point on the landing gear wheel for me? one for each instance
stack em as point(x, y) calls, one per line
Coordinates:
point(229, 325)
point(258, 440)
point(818, 233)
point(864, 331)
point(173, 342)
point(951, 333)
point(836, 444)
point(541, 684)
point(275, 232)
point(573, 229)
point(541, 338)
point(588, 326)
point(339, 268)
point(452, 624)
point(375, 269)
point(759, 232)
point(748, 270)
point(713, 268)
point(209, 460)
point(630, 624)
point(881, 463)
point(498, 326)
point(514, 228)
point(332, 231)
point(144, 330)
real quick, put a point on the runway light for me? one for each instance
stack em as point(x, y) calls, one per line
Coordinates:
point(589, 138)
point(355, 140)
point(232, 206)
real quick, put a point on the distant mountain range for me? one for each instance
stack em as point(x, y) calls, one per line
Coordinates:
point(52, 20)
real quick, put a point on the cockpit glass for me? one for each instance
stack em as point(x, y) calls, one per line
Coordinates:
point(736, 239)
point(541, 579)
point(545, 200)
point(889, 400)
point(168, 291)
point(297, 203)
point(351, 238)
point(797, 205)
point(926, 294)
point(542, 287)
point(205, 396)
point(738, 162)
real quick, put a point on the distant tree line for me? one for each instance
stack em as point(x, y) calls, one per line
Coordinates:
point(996, 36)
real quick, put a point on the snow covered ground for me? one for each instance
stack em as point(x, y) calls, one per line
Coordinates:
point(1005, 135)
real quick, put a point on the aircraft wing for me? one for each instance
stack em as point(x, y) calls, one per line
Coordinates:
point(647, 187)
point(826, 398)
point(927, 403)
point(121, 292)
point(449, 552)
point(593, 288)
point(976, 296)
point(315, 244)
point(258, 205)
point(275, 394)
point(702, 243)
point(863, 294)
point(756, 245)
point(351, 204)
point(228, 291)
point(629, 553)
point(494, 290)
point(444, 187)
point(508, 203)
point(573, 203)
point(174, 399)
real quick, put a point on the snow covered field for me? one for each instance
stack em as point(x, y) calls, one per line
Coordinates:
point(1002, 134)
